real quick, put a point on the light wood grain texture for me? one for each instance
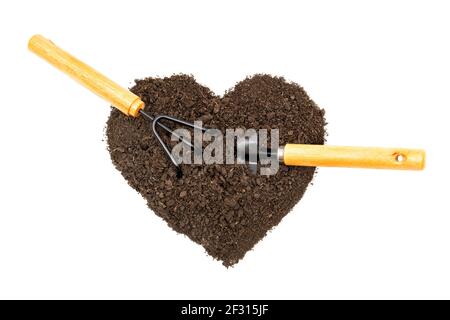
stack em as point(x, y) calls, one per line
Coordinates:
point(354, 157)
point(119, 97)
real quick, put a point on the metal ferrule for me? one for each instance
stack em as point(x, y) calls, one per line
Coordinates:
point(280, 153)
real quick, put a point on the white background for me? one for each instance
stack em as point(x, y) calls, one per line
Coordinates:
point(70, 227)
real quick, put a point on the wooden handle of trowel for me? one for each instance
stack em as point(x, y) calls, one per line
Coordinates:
point(353, 157)
point(119, 97)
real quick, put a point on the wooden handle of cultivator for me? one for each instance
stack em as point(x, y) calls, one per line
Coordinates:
point(119, 97)
point(353, 157)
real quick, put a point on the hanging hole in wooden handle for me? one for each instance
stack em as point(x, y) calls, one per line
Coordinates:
point(400, 157)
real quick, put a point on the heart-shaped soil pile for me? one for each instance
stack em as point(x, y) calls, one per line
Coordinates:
point(224, 208)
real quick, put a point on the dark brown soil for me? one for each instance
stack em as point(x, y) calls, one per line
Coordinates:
point(224, 208)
